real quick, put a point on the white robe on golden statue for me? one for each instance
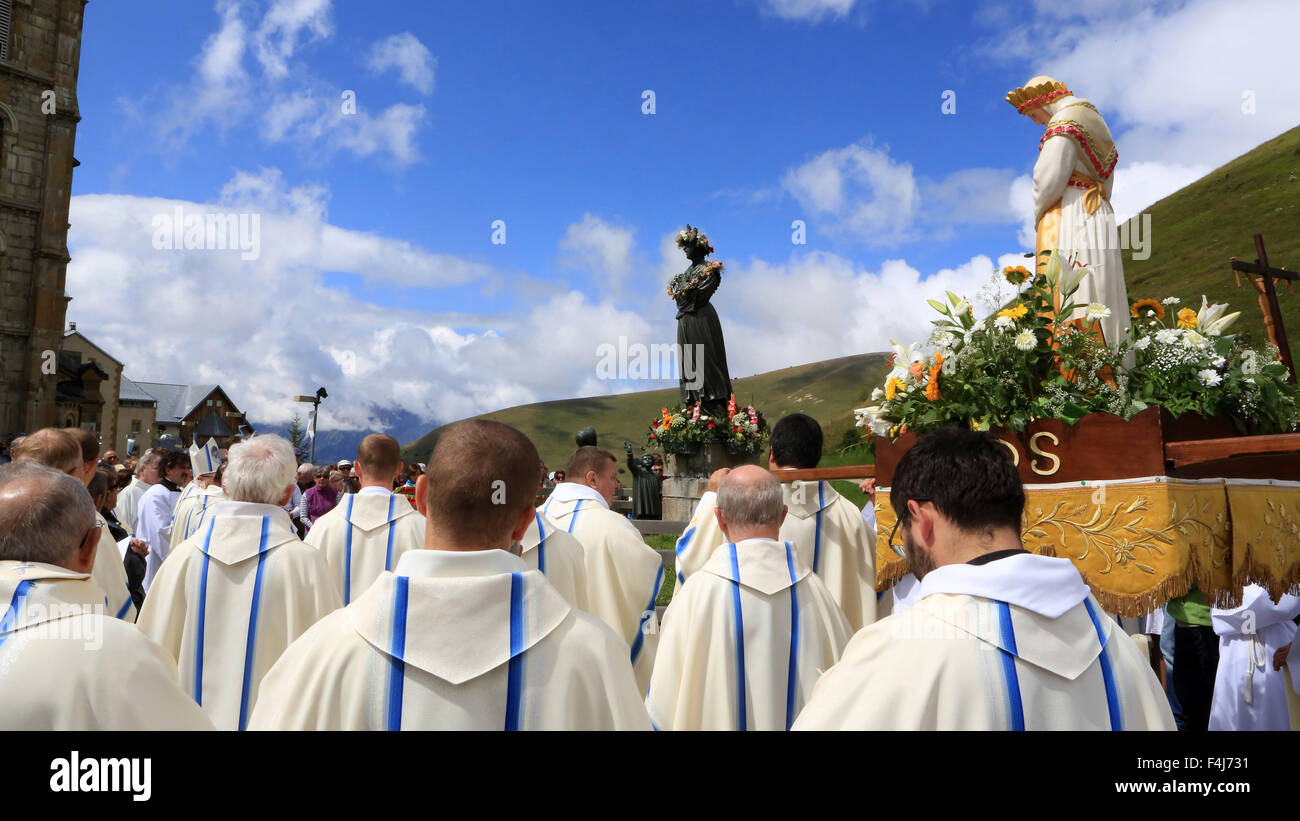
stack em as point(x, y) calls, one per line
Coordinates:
point(192, 510)
point(1075, 173)
point(1014, 644)
point(744, 642)
point(65, 664)
point(549, 548)
point(624, 573)
point(828, 532)
point(364, 535)
point(230, 599)
point(455, 641)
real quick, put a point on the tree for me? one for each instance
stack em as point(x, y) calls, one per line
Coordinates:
point(298, 436)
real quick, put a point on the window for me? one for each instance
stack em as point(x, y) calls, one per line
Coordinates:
point(135, 425)
point(209, 403)
point(6, 12)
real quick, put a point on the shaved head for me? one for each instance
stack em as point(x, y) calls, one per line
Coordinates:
point(482, 477)
point(44, 514)
point(379, 455)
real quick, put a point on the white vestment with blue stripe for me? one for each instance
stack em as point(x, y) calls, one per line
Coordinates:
point(464, 640)
point(624, 573)
point(66, 664)
point(192, 510)
point(828, 531)
point(110, 574)
point(744, 642)
point(1015, 644)
point(558, 555)
point(365, 534)
point(230, 599)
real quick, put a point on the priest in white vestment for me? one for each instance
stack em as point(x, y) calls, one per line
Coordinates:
point(233, 596)
point(462, 635)
point(368, 531)
point(827, 529)
point(191, 509)
point(624, 573)
point(1073, 180)
point(156, 508)
point(998, 638)
point(128, 501)
point(551, 549)
point(1250, 685)
point(75, 452)
point(65, 662)
point(744, 642)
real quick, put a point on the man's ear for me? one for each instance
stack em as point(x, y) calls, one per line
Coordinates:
point(83, 558)
point(526, 517)
point(287, 495)
point(784, 510)
point(722, 522)
point(923, 518)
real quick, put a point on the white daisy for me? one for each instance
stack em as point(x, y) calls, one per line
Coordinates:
point(1166, 336)
point(1143, 343)
point(1004, 323)
point(1209, 377)
point(1191, 339)
point(1218, 361)
point(1169, 300)
point(1096, 311)
point(1026, 341)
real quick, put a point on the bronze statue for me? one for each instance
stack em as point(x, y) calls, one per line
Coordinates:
point(702, 355)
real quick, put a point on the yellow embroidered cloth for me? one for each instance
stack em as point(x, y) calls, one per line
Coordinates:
point(1140, 542)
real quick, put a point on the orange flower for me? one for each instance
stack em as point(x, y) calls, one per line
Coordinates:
point(932, 389)
point(917, 369)
point(1187, 319)
point(1016, 275)
point(1136, 309)
point(1015, 313)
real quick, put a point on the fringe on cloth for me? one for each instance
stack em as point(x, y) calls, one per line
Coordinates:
point(888, 575)
point(1252, 572)
point(1135, 604)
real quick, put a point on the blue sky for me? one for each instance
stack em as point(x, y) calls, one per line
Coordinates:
point(377, 272)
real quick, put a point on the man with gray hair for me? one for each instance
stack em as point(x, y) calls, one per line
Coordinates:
point(745, 640)
point(128, 501)
point(233, 596)
point(68, 665)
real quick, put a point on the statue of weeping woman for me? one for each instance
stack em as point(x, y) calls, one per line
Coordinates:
point(702, 356)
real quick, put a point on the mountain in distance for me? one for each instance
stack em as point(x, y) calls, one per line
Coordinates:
point(333, 445)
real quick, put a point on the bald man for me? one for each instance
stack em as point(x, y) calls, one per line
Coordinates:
point(461, 635)
point(744, 642)
point(67, 664)
point(368, 531)
point(624, 574)
point(76, 453)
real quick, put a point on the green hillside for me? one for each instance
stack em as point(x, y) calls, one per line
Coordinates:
point(1197, 229)
point(1193, 234)
point(827, 391)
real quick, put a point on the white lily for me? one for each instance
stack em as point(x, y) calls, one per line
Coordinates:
point(1071, 276)
point(904, 356)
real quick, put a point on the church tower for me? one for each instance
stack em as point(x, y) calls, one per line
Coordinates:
point(40, 50)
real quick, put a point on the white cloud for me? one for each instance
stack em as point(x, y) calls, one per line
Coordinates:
point(290, 104)
point(405, 53)
point(811, 10)
point(286, 25)
point(865, 192)
point(601, 247)
point(1144, 183)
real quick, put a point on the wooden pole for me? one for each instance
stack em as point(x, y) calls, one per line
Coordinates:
point(1275, 309)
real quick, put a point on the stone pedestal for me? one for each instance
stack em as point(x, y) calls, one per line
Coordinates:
point(686, 478)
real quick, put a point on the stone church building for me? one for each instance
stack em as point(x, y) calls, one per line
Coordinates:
point(40, 50)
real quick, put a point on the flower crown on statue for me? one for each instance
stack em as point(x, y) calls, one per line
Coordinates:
point(1038, 94)
point(692, 238)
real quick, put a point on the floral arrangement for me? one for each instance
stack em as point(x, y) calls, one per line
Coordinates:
point(691, 238)
point(679, 285)
point(683, 429)
point(1029, 361)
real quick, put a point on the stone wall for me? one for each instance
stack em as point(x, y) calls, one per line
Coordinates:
point(686, 478)
point(39, 114)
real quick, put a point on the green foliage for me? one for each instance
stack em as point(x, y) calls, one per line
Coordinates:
point(298, 436)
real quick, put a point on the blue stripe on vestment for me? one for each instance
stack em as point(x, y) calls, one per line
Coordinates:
point(397, 667)
point(740, 637)
point(347, 553)
point(817, 539)
point(515, 671)
point(1107, 674)
point(794, 640)
point(646, 614)
point(251, 643)
point(1015, 707)
point(388, 557)
point(203, 613)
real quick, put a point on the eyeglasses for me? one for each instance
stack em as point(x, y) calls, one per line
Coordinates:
point(899, 548)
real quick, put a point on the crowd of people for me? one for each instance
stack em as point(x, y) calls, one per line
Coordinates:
point(243, 590)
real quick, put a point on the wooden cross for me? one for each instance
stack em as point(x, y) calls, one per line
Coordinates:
point(1268, 298)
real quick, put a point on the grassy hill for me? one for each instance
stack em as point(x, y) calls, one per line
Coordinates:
point(827, 391)
point(1198, 228)
point(1194, 231)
